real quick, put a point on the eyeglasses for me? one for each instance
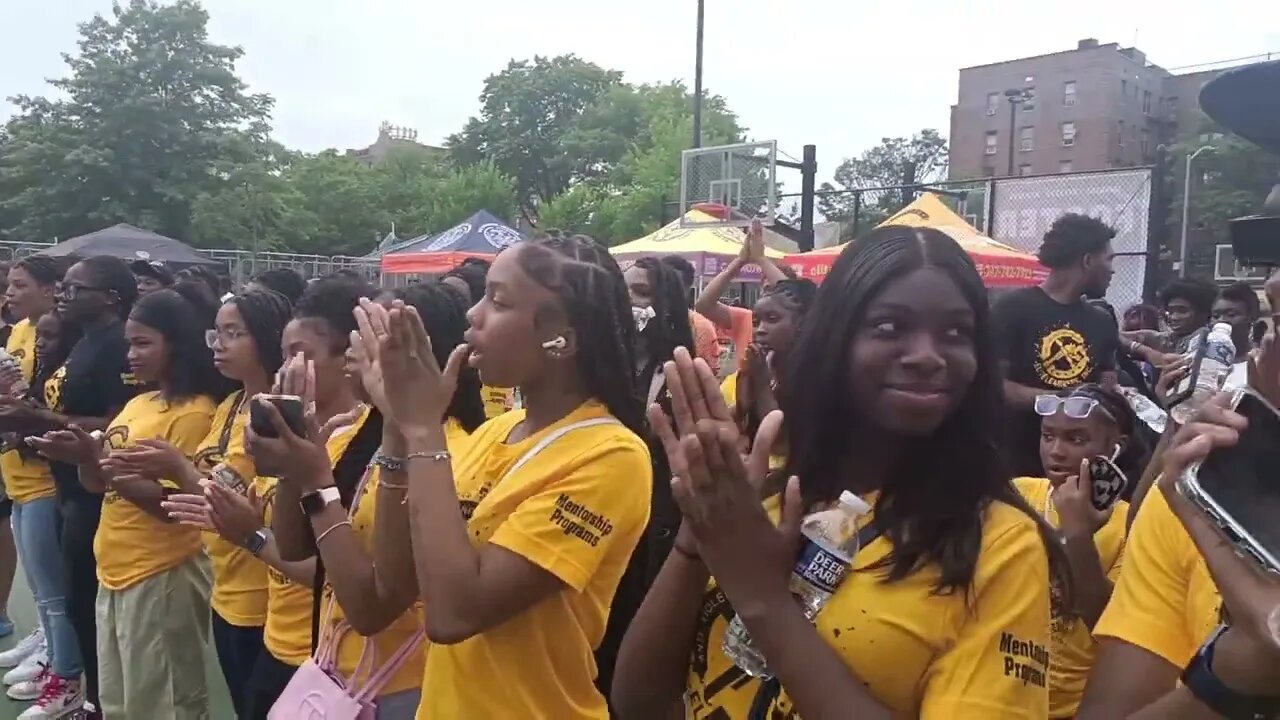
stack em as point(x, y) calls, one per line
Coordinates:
point(71, 291)
point(212, 338)
point(1077, 407)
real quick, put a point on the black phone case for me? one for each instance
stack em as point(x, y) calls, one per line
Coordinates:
point(290, 408)
point(1184, 389)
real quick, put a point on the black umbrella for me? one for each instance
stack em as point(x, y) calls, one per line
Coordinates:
point(1246, 101)
point(131, 243)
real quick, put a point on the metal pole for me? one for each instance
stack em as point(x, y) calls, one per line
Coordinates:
point(1186, 209)
point(808, 185)
point(697, 79)
point(1013, 118)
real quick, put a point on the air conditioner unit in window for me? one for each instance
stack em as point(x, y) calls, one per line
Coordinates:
point(1068, 141)
point(991, 111)
point(1069, 100)
point(990, 150)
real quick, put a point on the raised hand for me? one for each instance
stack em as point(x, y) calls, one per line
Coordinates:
point(719, 496)
point(1250, 597)
point(72, 445)
point(372, 322)
point(423, 389)
point(234, 516)
point(1077, 517)
point(155, 459)
point(303, 460)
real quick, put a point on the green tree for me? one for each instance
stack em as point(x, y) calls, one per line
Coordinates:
point(922, 158)
point(527, 111)
point(152, 117)
point(1228, 182)
point(255, 209)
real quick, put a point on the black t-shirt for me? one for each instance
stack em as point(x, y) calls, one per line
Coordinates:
point(1052, 346)
point(95, 381)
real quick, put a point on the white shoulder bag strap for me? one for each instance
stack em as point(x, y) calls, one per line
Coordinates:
point(556, 435)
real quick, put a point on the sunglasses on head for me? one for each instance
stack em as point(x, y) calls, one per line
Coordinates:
point(1074, 406)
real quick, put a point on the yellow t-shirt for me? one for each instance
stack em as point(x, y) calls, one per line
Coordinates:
point(984, 654)
point(1074, 648)
point(287, 633)
point(386, 643)
point(497, 400)
point(577, 509)
point(1165, 602)
point(25, 479)
point(131, 545)
point(239, 579)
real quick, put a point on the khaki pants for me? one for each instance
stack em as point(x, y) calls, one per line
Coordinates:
point(151, 642)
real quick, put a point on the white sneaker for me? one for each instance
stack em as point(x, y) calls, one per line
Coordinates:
point(27, 645)
point(28, 669)
point(30, 689)
point(61, 697)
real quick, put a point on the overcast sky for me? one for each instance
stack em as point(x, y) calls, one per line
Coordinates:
point(837, 73)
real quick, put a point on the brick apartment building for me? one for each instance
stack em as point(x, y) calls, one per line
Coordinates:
point(1095, 107)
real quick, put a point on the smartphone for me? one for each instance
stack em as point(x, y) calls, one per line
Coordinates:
point(1183, 390)
point(1109, 482)
point(290, 407)
point(1239, 487)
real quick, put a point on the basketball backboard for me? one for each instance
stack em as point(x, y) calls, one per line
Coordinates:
point(730, 184)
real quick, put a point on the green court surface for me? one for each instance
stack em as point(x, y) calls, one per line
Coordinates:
point(23, 611)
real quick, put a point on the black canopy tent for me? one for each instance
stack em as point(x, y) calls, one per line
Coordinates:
point(131, 243)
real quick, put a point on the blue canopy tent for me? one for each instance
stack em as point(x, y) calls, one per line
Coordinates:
point(482, 235)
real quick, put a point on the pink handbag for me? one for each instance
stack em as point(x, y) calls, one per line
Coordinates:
point(318, 691)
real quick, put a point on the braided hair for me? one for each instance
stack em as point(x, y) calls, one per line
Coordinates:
point(669, 328)
point(589, 283)
point(265, 313)
point(445, 319)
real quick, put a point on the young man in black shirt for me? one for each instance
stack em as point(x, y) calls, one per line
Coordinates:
point(1048, 338)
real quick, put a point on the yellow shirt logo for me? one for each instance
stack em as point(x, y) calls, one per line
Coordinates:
point(1063, 358)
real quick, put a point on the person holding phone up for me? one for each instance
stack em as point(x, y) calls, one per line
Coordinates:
point(1087, 426)
point(1181, 580)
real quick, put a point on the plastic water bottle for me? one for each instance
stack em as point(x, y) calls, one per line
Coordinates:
point(831, 542)
point(1219, 352)
point(1148, 412)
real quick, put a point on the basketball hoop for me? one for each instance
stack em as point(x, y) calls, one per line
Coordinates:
point(715, 210)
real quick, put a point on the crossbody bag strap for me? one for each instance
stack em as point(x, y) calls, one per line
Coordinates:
point(771, 688)
point(224, 438)
point(378, 680)
point(325, 634)
point(556, 435)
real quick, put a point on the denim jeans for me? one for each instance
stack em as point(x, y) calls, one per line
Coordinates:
point(238, 651)
point(37, 530)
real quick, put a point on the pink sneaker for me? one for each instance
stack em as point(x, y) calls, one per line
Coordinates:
point(60, 698)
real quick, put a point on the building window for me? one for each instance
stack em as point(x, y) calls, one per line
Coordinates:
point(993, 103)
point(1029, 99)
point(992, 139)
point(1064, 166)
point(1120, 134)
point(1024, 169)
point(1146, 143)
point(1068, 134)
point(1124, 89)
point(1027, 139)
point(1069, 92)
point(1146, 102)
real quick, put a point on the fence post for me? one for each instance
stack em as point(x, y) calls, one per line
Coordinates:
point(1157, 224)
point(857, 210)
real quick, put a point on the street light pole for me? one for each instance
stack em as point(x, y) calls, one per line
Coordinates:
point(697, 79)
point(1015, 97)
point(1186, 208)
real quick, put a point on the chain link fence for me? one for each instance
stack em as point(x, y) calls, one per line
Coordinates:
point(244, 264)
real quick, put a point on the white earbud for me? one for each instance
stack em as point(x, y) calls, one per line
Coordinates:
point(1115, 452)
point(556, 343)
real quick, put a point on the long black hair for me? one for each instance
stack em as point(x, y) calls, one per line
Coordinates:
point(669, 328)
point(473, 272)
point(265, 313)
point(445, 319)
point(69, 333)
point(934, 500)
point(113, 275)
point(589, 283)
point(1135, 454)
point(182, 315)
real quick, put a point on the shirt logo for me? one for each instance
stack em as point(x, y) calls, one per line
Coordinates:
point(1062, 358)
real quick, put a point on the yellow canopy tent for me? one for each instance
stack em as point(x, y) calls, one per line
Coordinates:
point(999, 265)
point(710, 249)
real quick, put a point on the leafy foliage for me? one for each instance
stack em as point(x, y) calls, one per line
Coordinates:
point(921, 158)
